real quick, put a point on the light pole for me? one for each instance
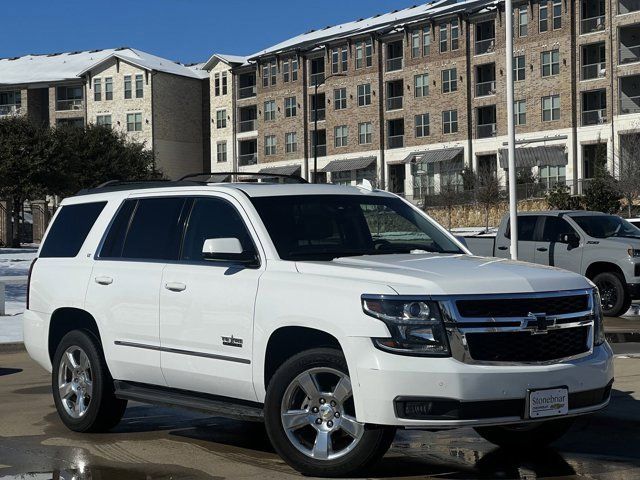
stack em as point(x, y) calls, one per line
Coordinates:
point(315, 122)
point(511, 146)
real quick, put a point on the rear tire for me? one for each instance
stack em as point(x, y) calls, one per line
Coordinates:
point(311, 392)
point(83, 389)
point(523, 435)
point(613, 291)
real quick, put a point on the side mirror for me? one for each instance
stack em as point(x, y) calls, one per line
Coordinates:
point(571, 239)
point(227, 250)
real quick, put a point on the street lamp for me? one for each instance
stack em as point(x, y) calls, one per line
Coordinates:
point(315, 122)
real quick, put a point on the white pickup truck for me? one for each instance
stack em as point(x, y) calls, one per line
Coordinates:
point(334, 314)
point(604, 248)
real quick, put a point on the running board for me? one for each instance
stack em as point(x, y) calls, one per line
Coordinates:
point(201, 402)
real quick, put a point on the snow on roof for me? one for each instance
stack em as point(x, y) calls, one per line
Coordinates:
point(199, 69)
point(232, 60)
point(365, 25)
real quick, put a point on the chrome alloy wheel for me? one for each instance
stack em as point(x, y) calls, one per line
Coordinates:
point(318, 414)
point(75, 382)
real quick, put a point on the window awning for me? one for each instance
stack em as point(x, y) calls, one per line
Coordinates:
point(283, 170)
point(349, 164)
point(442, 155)
point(553, 155)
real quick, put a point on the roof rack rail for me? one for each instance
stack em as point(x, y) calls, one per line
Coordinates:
point(295, 178)
point(120, 185)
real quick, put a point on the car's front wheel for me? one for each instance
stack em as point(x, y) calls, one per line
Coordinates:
point(613, 291)
point(311, 421)
point(526, 434)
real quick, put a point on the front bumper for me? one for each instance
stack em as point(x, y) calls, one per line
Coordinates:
point(469, 395)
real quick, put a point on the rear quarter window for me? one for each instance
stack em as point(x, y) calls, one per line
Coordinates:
point(70, 229)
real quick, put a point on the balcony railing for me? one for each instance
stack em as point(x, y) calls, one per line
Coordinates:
point(593, 24)
point(396, 141)
point(486, 130)
point(394, 103)
point(630, 105)
point(9, 110)
point(628, 6)
point(62, 105)
point(629, 54)
point(316, 78)
point(594, 117)
point(247, 159)
point(394, 64)
point(247, 92)
point(594, 70)
point(485, 88)
point(322, 113)
point(247, 126)
point(322, 150)
point(485, 46)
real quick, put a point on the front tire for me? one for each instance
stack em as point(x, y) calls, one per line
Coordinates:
point(82, 386)
point(613, 291)
point(310, 417)
point(523, 435)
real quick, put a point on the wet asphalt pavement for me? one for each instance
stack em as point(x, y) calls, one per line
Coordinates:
point(161, 443)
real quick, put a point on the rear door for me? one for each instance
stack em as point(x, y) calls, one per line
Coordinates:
point(551, 251)
point(124, 287)
point(527, 225)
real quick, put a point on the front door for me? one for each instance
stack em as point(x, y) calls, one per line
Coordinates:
point(550, 250)
point(397, 175)
point(526, 239)
point(206, 308)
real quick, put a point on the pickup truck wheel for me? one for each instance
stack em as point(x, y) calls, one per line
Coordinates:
point(523, 435)
point(310, 417)
point(82, 385)
point(613, 291)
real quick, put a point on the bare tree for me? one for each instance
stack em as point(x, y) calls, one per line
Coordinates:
point(626, 168)
point(451, 191)
point(487, 191)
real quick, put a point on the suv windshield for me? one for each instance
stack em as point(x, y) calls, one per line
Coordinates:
point(324, 227)
point(605, 226)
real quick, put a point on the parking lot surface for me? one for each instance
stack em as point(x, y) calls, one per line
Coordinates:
point(161, 443)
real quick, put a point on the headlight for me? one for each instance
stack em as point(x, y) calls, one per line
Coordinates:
point(598, 320)
point(416, 326)
point(633, 252)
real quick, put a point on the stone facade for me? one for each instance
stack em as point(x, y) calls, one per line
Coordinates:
point(221, 102)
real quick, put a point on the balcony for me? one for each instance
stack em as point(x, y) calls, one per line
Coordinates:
point(485, 37)
point(396, 141)
point(66, 105)
point(594, 117)
point(594, 107)
point(593, 24)
point(247, 126)
point(629, 94)
point(316, 78)
point(394, 55)
point(594, 70)
point(322, 150)
point(247, 159)
point(486, 130)
point(485, 88)
point(394, 103)
point(628, 6)
point(394, 93)
point(247, 92)
point(395, 64)
point(629, 54)
point(485, 46)
point(592, 14)
point(321, 114)
point(6, 110)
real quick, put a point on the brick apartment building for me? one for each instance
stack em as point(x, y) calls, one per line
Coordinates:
point(409, 98)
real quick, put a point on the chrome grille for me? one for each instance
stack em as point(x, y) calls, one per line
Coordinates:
point(521, 307)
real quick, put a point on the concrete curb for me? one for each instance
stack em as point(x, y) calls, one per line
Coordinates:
point(13, 347)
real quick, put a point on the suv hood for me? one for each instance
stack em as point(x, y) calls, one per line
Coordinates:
point(440, 274)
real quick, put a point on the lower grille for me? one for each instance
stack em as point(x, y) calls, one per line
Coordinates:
point(525, 347)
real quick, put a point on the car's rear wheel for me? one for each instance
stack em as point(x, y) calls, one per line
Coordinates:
point(613, 292)
point(83, 389)
point(526, 434)
point(311, 421)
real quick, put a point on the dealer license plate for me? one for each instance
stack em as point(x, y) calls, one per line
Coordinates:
point(548, 403)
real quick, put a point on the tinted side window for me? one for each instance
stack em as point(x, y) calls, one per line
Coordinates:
point(155, 229)
point(113, 243)
point(213, 218)
point(70, 229)
point(526, 228)
point(554, 228)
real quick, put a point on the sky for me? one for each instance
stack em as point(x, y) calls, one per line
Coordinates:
point(188, 31)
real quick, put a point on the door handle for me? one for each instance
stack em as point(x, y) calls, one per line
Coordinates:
point(503, 248)
point(175, 286)
point(104, 280)
point(542, 249)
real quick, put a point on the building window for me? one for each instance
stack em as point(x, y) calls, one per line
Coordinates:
point(216, 84)
point(274, 72)
point(269, 73)
point(335, 60)
point(364, 94)
point(520, 112)
point(449, 80)
point(551, 108)
point(108, 88)
point(454, 35)
point(365, 133)
point(519, 69)
point(134, 122)
point(364, 53)
point(221, 151)
point(543, 16)
point(341, 134)
point(69, 98)
point(127, 86)
point(416, 40)
point(290, 107)
point(103, 120)
point(294, 69)
point(269, 110)
point(422, 125)
point(443, 38)
point(450, 121)
point(270, 145)
point(421, 85)
point(224, 83)
point(344, 58)
point(340, 98)
point(339, 59)
point(523, 21)
point(139, 86)
point(551, 176)
point(291, 142)
point(550, 62)
point(285, 71)
point(97, 89)
point(426, 40)
point(557, 14)
point(221, 119)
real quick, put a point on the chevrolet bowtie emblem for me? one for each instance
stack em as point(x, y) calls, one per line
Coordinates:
point(540, 322)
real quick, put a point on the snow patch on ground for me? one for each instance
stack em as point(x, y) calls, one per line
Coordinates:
point(14, 262)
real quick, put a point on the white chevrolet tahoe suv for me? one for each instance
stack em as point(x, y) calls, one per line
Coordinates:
point(334, 314)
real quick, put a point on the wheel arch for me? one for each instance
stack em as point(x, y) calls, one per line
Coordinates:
point(598, 267)
point(68, 319)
